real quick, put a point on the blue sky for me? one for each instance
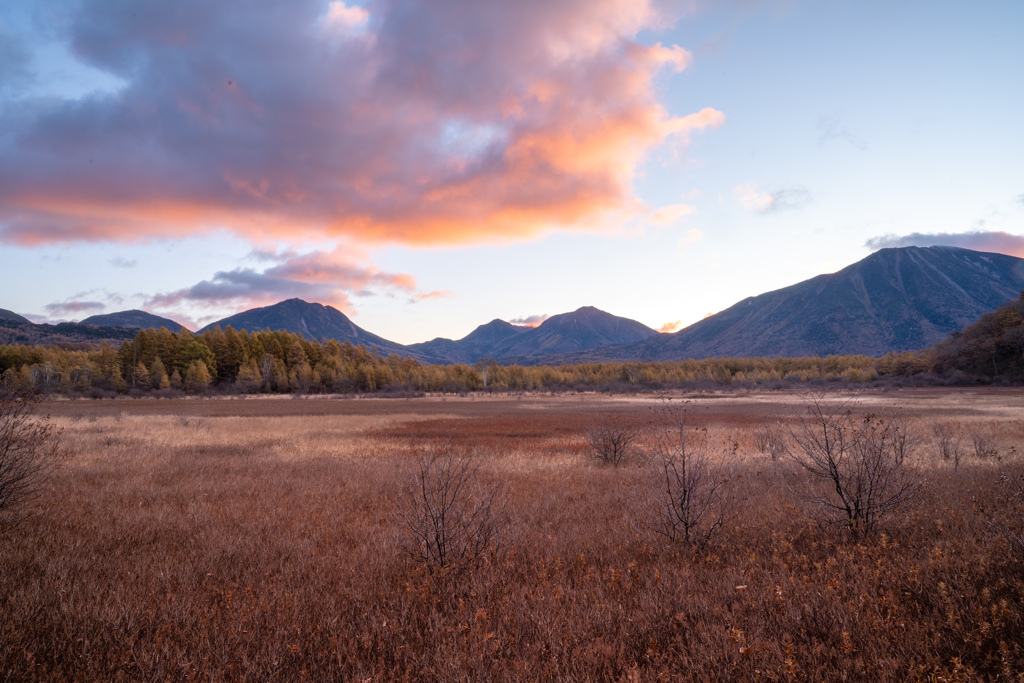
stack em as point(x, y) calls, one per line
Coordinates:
point(428, 168)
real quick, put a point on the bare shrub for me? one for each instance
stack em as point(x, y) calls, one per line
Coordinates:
point(451, 517)
point(856, 462)
point(694, 501)
point(770, 439)
point(28, 450)
point(949, 437)
point(612, 442)
point(982, 442)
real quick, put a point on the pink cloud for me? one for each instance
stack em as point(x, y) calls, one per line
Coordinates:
point(667, 215)
point(345, 18)
point(420, 123)
point(757, 200)
point(436, 294)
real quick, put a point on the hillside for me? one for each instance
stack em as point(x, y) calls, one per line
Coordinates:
point(134, 319)
point(312, 321)
point(12, 316)
point(583, 329)
point(61, 334)
point(479, 343)
point(992, 347)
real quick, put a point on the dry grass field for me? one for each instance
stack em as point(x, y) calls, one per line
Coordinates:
point(263, 539)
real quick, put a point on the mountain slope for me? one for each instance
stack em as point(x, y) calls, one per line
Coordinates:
point(312, 321)
point(989, 348)
point(12, 316)
point(64, 334)
point(894, 300)
point(134, 319)
point(477, 344)
point(581, 330)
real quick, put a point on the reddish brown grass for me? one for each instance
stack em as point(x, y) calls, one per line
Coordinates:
point(257, 539)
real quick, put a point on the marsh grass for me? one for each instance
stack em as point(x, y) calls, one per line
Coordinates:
point(262, 543)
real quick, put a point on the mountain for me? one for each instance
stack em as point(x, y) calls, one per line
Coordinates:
point(113, 328)
point(134, 319)
point(72, 335)
point(580, 330)
point(477, 344)
point(896, 299)
point(583, 329)
point(312, 321)
point(12, 316)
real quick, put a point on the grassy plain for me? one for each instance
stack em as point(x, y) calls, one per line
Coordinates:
point(257, 539)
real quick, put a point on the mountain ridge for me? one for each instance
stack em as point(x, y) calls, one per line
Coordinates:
point(585, 328)
point(12, 316)
point(313, 321)
point(132, 319)
point(896, 299)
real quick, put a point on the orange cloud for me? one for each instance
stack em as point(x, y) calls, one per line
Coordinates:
point(491, 122)
point(671, 327)
point(530, 320)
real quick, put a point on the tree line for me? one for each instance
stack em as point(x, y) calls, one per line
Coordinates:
point(229, 360)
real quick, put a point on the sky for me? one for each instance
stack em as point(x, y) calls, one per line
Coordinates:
point(426, 167)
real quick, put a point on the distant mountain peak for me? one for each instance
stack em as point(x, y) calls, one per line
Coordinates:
point(895, 299)
point(585, 328)
point(133, 319)
point(313, 321)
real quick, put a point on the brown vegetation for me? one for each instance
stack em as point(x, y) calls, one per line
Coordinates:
point(452, 520)
point(693, 491)
point(856, 461)
point(260, 539)
point(28, 452)
point(612, 441)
